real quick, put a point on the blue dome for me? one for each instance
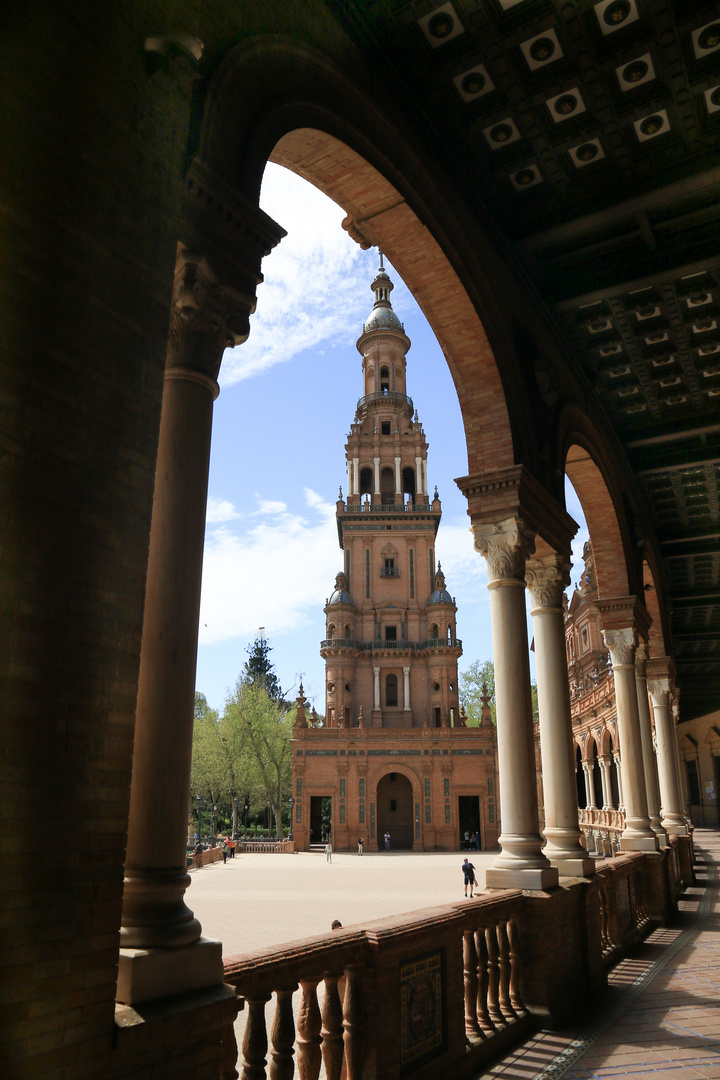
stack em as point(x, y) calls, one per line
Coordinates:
point(339, 596)
point(441, 596)
point(382, 318)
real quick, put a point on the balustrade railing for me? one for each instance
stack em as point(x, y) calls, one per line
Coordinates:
point(380, 646)
point(387, 508)
point(602, 829)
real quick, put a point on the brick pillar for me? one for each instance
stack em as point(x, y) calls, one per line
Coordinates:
point(521, 862)
point(546, 578)
point(162, 948)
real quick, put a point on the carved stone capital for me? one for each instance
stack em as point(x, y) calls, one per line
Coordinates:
point(207, 316)
point(547, 578)
point(506, 545)
point(621, 644)
point(641, 659)
point(659, 690)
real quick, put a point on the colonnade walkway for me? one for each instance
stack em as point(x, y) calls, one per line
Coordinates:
point(661, 1016)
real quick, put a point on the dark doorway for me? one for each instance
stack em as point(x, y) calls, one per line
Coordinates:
point(320, 819)
point(469, 821)
point(614, 786)
point(693, 783)
point(395, 812)
point(597, 779)
point(580, 778)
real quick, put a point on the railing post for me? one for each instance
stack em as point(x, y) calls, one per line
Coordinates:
point(470, 968)
point(255, 1042)
point(352, 1023)
point(309, 1056)
point(494, 979)
point(332, 1028)
point(229, 1047)
point(504, 1001)
point(514, 945)
point(283, 1036)
point(483, 983)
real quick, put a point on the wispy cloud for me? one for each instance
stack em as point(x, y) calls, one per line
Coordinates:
point(311, 294)
point(219, 510)
point(272, 574)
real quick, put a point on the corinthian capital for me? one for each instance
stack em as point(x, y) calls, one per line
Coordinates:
point(207, 316)
point(641, 659)
point(621, 644)
point(506, 546)
point(546, 579)
point(659, 690)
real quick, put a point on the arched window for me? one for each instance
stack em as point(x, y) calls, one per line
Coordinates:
point(580, 775)
point(384, 380)
point(391, 691)
point(408, 482)
point(331, 632)
point(366, 481)
point(348, 632)
point(387, 486)
point(434, 633)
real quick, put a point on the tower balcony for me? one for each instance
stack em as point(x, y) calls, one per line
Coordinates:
point(429, 645)
point(383, 397)
point(378, 508)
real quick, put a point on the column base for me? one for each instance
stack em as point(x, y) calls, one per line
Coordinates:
point(639, 843)
point(545, 878)
point(575, 867)
point(675, 830)
point(145, 974)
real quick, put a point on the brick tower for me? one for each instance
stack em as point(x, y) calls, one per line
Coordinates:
point(390, 648)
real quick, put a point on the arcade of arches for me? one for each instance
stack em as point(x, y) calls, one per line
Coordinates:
point(132, 250)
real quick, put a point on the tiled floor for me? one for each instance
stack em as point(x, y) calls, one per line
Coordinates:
point(661, 1016)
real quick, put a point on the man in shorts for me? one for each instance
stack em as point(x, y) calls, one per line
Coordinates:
point(469, 875)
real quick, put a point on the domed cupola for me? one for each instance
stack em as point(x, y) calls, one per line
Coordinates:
point(340, 595)
point(440, 594)
point(382, 316)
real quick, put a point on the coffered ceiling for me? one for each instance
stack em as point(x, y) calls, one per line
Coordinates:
point(588, 134)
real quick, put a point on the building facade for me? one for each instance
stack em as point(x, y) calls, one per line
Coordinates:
point(394, 755)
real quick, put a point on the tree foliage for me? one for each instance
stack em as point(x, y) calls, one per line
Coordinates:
point(259, 671)
point(471, 691)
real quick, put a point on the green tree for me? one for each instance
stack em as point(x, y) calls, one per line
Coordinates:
point(209, 768)
point(259, 671)
point(257, 730)
point(482, 674)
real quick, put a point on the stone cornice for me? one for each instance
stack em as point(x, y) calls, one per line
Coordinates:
point(497, 494)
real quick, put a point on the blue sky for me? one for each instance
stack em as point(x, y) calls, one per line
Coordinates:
point(287, 399)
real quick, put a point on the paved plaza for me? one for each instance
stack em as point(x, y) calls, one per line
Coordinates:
point(258, 900)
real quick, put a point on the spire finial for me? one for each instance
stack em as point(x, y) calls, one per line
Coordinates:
point(381, 267)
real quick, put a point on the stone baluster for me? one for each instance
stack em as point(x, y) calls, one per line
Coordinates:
point(332, 1028)
point(282, 1036)
point(207, 316)
point(470, 972)
point(309, 1055)
point(493, 992)
point(652, 786)
point(504, 1001)
point(483, 983)
point(352, 1023)
point(255, 1040)
point(514, 943)
point(521, 862)
point(671, 799)
point(638, 834)
point(546, 579)
point(229, 1047)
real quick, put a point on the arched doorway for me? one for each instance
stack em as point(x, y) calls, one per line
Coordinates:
point(395, 811)
point(597, 778)
point(580, 777)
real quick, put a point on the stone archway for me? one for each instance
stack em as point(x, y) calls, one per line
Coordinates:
point(394, 800)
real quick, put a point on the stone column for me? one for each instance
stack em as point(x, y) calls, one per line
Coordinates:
point(589, 785)
point(376, 462)
point(356, 476)
point(376, 688)
point(638, 834)
point(418, 476)
point(398, 478)
point(521, 862)
point(406, 688)
point(606, 786)
point(617, 758)
point(546, 578)
point(652, 787)
point(162, 949)
point(670, 796)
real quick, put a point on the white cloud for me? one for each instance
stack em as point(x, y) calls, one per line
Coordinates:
point(277, 573)
point(220, 510)
point(310, 292)
point(270, 506)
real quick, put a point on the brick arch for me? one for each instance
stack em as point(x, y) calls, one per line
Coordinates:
point(590, 742)
point(376, 774)
point(602, 521)
point(659, 630)
point(271, 100)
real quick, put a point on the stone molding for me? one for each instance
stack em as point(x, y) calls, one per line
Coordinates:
point(506, 546)
point(547, 578)
point(207, 316)
point(659, 690)
point(621, 644)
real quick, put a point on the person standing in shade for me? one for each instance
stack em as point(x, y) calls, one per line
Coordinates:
point(469, 875)
point(328, 851)
point(360, 845)
point(387, 841)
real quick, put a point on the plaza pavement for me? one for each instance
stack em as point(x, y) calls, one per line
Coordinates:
point(254, 901)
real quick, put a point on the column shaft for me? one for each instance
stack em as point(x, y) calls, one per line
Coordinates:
point(670, 796)
point(652, 786)
point(406, 688)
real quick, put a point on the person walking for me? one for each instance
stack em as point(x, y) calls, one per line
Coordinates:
point(360, 845)
point(387, 841)
point(225, 851)
point(328, 851)
point(469, 875)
